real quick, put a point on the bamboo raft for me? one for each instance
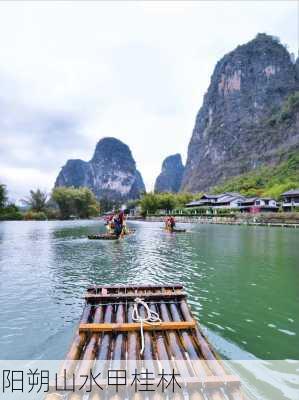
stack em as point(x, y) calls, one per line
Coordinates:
point(103, 236)
point(107, 331)
point(175, 230)
point(108, 236)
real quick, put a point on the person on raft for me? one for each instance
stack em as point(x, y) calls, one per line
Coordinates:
point(110, 224)
point(117, 222)
point(170, 223)
point(122, 217)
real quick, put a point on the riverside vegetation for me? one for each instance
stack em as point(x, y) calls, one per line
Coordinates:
point(64, 203)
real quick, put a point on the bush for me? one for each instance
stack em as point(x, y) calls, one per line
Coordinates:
point(35, 216)
point(10, 213)
point(52, 213)
point(289, 108)
point(152, 202)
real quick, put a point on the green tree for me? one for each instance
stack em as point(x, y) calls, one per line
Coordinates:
point(167, 201)
point(80, 202)
point(37, 201)
point(3, 195)
point(63, 196)
point(149, 203)
point(85, 203)
point(10, 213)
point(184, 198)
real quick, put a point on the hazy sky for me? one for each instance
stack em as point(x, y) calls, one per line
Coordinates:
point(74, 72)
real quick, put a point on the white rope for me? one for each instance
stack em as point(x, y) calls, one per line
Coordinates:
point(151, 318)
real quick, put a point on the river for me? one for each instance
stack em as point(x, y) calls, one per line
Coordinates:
point(242, 282)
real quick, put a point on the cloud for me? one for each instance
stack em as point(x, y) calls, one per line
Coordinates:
point(73, 72)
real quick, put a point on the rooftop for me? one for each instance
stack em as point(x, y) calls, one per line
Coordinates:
point(291, 192)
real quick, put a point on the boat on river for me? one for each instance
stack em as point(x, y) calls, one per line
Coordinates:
point(152, 326)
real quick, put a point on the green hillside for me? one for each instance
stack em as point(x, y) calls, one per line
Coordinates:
point(265, 181)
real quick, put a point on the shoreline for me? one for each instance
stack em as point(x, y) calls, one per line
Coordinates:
point(217, 221)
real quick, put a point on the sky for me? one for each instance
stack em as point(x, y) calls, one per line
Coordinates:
point(72, 73)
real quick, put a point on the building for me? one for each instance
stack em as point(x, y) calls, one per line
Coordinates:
point(258, 204)
point(206, 200)
point(228, 200)
point(236, 201)
point(290, 199)
point(223, 200)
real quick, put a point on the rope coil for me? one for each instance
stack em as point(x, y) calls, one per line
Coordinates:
point(151, 318)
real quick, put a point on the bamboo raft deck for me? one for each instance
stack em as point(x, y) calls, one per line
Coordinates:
point(108, 332)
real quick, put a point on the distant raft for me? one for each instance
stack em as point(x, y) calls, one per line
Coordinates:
point(103, 236)
point(109, 236)
point(175, 230)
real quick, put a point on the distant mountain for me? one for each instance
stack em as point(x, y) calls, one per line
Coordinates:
point(249, 116)
point(170, 178)
point(110, 174)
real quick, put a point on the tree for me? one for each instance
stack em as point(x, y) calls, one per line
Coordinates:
point(85, 203)
point(80, 202)
point(3, 195)
point(167, 201)
point(149, 203)
point(184, 198)
point(64, 199)
point(37, 201)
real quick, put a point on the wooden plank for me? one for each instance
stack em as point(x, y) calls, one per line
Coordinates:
point(133, 326)
point(91, 297)
point(138, 286)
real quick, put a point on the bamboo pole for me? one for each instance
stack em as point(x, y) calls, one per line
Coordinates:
point(118, 353)
point(174, 345)
point(77, 344)
point(91, 348)
point(161, 355)
point(178, 354)
point(87, 362)
point(74, 352)
point(103, 348)
point(165, 360)
point(148, 354)
point(133, 350)
point(191, 351)
point(211, 360)
point(118, 349)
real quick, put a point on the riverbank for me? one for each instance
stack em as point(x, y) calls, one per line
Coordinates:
point(260, 220)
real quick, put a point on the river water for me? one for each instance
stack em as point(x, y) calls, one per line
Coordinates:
point(242, 282)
